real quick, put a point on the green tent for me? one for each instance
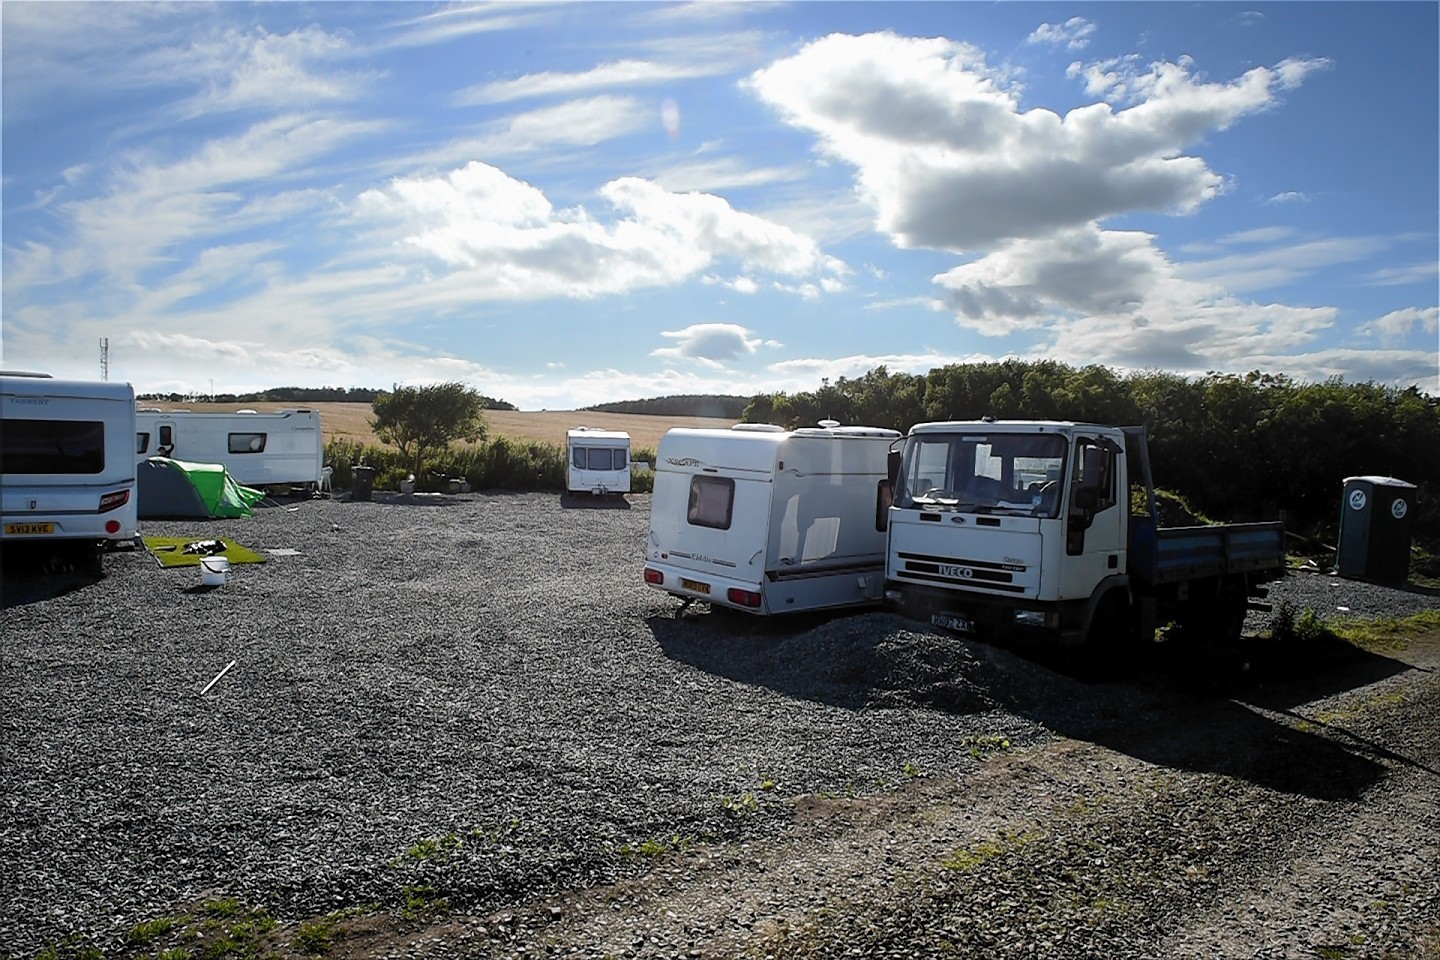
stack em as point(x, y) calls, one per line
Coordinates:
point(179, 488)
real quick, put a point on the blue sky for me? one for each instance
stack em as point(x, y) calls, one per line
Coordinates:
point(567, 204)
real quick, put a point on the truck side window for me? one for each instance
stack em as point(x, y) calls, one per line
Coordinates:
point(1095, 470)
point(246, 442)
point(712, 500)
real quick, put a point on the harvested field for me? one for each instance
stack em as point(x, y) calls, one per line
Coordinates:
point(462, 726)
point(352, 421)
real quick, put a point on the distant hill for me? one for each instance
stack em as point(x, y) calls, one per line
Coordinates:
point(683, 405)
point(303, 395)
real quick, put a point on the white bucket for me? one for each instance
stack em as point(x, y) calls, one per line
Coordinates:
point(213, 570)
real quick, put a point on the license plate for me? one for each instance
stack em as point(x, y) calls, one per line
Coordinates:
point(952, 622)
point(695, 585)
point(29, 529)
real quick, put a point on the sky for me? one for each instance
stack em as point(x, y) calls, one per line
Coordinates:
point(569, 204)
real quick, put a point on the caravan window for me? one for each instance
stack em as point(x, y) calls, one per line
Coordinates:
point(600, 458)
point(247, 443)
point(712, 499)
point(52, 446)
point(142, 441)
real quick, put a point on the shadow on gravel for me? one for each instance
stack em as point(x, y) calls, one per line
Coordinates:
point(585, 501)
point(34, 572)
point(879, 661)
point(413, 499)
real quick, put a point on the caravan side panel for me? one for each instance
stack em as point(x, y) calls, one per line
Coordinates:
point(67, 460)
point(276, 449)
point(805, 529)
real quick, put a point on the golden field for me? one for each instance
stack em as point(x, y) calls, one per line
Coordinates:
point(352, 421)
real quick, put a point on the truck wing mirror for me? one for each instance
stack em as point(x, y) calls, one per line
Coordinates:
point(892, 466)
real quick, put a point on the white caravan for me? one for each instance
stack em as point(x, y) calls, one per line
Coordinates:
point(767, 520)
point(599, 461)
point(67, 460)
point(279, 449)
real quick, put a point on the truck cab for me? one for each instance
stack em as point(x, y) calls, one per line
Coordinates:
point(998, 524)
point(1049, 530)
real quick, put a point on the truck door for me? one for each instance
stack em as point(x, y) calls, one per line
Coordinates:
point(1094, 517)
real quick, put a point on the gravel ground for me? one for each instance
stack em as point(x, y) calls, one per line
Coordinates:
point(475, 699)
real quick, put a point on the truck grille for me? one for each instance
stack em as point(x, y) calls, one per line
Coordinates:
point(959, 572)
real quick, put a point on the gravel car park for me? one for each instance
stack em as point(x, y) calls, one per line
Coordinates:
point(435, 726)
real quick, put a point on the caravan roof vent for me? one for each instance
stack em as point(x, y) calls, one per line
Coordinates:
point(758, 427)
point(829, 424)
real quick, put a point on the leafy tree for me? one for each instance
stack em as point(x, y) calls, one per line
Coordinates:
point(421, 421)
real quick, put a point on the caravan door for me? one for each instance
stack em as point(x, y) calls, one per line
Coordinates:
point(156, 438)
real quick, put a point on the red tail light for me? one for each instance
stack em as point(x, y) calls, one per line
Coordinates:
point(113, 501)
point(654, 576)
point(743, 598)
point(112, 526)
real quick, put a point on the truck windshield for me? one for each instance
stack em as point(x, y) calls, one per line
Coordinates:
point(983, 473)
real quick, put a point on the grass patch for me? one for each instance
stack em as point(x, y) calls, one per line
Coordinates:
point(1377, 635)
point(655, 848)
point(169, 552)
point(315, 938)
point(743, 805)
point(985, 745)
point(1387, 633)
point(983, 851)
point(420, 899)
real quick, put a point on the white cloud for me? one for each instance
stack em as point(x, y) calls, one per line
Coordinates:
point(949, 160)
point(507, 242)
point(1073, 34)
point(618, 73)
point(1284, 263)
point(709, 344)
point(1396, 325)
point(237, 70)
point(148, 209)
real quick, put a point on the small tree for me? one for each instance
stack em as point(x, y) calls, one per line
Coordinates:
point(420, 421)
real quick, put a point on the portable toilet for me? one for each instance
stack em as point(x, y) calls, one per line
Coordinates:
point(598, 461)
point(1375, 529)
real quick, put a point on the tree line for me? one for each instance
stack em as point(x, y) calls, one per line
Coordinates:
point(681, 405)
point(1238, 447)
point(301, 395)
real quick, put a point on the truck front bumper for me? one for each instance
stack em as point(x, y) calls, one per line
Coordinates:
point(986, 617)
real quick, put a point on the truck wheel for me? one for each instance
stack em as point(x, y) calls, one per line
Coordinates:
point(1112, 639)
point(1217, 620)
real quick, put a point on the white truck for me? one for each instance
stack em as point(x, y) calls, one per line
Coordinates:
point(273, 450)
point(598, 461)
point(1049, 530)
point(67, 460)
point(768, 521)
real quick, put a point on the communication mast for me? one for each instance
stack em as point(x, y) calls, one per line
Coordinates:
point(104, 358)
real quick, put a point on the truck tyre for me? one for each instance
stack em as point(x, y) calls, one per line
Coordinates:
point(1112, 640)
point(1217, 621)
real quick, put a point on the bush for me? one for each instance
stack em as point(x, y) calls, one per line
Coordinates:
point(1306, 628)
